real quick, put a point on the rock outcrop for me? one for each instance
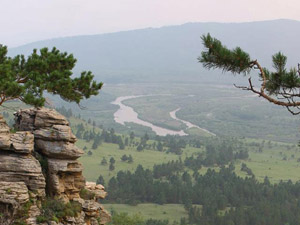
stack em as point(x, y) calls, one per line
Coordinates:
point(21, 177)
point(44, 135)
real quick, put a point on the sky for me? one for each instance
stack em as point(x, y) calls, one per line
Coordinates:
point(25, 21)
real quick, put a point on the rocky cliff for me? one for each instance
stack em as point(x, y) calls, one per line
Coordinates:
point(41, 181)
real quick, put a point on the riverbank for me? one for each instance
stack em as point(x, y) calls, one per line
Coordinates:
point(126, 114)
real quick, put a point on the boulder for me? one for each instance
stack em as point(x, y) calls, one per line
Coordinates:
point(96, 189)
point(91, 208)
point(34, 211)
point(14, 193)
point(22, 142)
point(4, 129)
point(59, 149)
point(48, 117)
point(55, 133)
point(65, 178)
point(105, 217)
point(95, 210)
point(5, 143)
point(4, 134)
point(24, 119)
point(22, 168)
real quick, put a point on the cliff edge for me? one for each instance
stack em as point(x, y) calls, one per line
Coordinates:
point(41, 181)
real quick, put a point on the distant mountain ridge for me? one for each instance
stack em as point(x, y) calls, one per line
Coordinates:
point(170, 53)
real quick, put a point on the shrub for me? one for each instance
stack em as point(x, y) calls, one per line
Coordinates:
point(22, 214)
point(86, 194)
point(56, 210)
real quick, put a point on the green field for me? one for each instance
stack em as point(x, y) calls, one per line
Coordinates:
point(278, 163)
point(172, 212)
point(277, 160)
point(147, 158)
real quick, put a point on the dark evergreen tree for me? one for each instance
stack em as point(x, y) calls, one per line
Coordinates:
point(124, 158)
point(140, 147)
point(111, 167)
point(104, 161)
point(97, 141)
point(132, 135)
point(159, 146)
point(121, 144)
point(146, 137)
point(100, 180)
point(126, 141)
point(112, 160)
point(27, 79)
point(80, 130)
point(130, 159)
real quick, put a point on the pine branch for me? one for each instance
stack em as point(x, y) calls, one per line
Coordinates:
point(281, 83)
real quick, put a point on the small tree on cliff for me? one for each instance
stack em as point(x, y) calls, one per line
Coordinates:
point(280, 87)
point(28, 78)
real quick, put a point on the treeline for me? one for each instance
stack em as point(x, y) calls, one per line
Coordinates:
point(217, 153)
point(246, 202)
point(108, 136)
point(168, 144)
point(225, 198)
point(125, 219)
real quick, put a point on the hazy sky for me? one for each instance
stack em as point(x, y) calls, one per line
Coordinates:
point(24, 21)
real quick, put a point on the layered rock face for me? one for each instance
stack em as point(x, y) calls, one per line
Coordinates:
point(55, 142)
point(44, 134)
point(21, 176)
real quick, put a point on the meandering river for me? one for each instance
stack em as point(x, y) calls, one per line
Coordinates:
point(187, 123)
point(126, 114)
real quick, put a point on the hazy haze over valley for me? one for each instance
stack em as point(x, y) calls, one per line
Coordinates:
point(169, 54)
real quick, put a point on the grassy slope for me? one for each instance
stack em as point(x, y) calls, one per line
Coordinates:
point(172, 212)
point(270, 162)
point(147, 158)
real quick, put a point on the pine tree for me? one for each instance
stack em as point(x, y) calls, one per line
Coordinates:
point(280, 87)
point(27, 79)
point(159, 146)
point(126, 141)
point(130, 159)
point(124, 158)
point(112, 160)
point(104, 161)
point(111, 167)
point(139, 147)
point(131, 136)
point(121, 144)
point(100, 180)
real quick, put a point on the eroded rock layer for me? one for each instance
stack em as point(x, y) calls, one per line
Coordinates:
point(46, 135)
